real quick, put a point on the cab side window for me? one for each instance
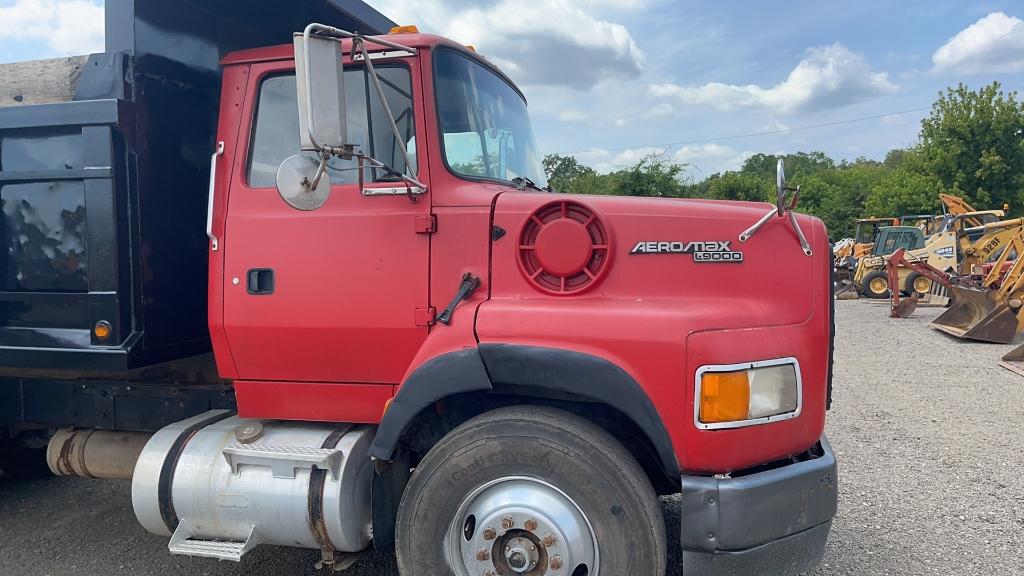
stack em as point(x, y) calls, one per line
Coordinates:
point(275, 134)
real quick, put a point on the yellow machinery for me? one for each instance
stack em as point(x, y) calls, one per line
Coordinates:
point(987, 310)
point(955, 248)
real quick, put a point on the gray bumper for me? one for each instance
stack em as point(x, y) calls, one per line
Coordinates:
point(773, 522)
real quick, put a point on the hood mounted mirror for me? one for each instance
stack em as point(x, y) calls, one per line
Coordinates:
point(785, 202)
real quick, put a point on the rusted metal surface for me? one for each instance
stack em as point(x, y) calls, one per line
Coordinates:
point(978, 314)
point(329, 556)
point(95, 453)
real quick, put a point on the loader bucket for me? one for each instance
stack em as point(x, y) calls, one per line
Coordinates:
point(847, 290)
point(905, 307)
point(1014, 360)
point(978, 315)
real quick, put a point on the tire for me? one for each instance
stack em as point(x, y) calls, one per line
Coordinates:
point(915, 281)
point(870, 284)
point(550, 460)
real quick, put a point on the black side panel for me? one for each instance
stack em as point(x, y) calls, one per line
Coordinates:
point(582, 375)
point(446, 375)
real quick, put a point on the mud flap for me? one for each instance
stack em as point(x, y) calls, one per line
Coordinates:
point(978, 315)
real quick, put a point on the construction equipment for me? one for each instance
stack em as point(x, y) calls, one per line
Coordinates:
point(987, 310)
point(870, 278)
point(897, 261)
point(956, 249)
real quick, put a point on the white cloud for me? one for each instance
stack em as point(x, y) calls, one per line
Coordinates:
point(992, 45)
point(68, 27)
point(543, 42)
point(707, 159)
point(571, 115)
point(829, 77)
point(605, 161)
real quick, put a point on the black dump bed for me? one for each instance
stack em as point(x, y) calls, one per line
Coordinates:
point(104, 169)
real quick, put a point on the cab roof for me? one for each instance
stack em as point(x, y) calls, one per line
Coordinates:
point(418, 40)
point(287, 51)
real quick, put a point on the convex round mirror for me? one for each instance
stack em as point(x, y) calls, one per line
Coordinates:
point(780, 177)
point(780, 184)
point(295, 179)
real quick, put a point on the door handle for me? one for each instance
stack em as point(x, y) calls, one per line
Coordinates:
point(260, 281)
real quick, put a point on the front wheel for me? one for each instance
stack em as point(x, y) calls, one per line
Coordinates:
point(528, 491)
point(876, 285)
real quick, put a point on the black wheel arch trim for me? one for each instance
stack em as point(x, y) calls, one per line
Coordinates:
point(556, 369)
point(442, 376)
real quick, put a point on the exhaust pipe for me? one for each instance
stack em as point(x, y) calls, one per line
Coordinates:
point(95, 453)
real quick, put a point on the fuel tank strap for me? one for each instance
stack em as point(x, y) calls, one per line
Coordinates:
point(315, 502)
point(164, 486)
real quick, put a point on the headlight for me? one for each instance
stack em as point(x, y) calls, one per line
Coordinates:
point(737, 395)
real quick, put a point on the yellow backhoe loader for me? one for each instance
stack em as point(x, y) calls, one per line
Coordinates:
point(985, 305)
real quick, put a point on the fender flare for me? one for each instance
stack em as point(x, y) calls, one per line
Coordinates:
point(555, 369)
point(441, 376)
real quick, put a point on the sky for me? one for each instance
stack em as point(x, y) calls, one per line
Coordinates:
point(707, 83)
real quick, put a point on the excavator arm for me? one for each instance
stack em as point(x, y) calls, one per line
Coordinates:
point(904, 308)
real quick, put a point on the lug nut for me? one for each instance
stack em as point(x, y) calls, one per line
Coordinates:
point(482, 555)
point(507, 522)
point(556, 562)
point(549, 540)
point(489, 533)
point(530, 525)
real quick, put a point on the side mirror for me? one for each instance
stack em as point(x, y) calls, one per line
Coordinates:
point(302, 182)
point(320, 83)
point(780, 177)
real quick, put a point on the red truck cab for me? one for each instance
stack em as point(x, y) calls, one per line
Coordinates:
point(691, 361)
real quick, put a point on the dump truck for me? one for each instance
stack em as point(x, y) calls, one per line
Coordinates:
point(296, 274)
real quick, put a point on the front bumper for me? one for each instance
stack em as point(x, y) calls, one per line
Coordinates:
point(772, 522)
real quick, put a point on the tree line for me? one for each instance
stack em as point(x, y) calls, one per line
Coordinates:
point(970, 145)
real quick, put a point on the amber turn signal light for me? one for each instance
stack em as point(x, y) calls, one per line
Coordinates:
point(102, 330)
point(724, 397)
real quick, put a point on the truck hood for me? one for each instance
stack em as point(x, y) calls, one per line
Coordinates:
point(682, 253)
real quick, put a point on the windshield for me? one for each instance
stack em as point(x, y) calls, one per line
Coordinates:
point(485, 126)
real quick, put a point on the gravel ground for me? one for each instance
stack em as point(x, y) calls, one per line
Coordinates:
point(928, 429)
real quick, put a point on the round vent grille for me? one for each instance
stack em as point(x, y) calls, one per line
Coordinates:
point(564, 248)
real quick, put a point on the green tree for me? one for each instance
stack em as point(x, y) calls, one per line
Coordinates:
point(973, 143)
point(565, 171)
point(654, 175)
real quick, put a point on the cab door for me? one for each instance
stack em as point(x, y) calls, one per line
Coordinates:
point(329, 295)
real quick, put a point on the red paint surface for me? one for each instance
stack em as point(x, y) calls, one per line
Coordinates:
point(312, 401)
point(351, 275)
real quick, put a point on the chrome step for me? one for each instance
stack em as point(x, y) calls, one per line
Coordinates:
point(182, 543)
point(284, 460)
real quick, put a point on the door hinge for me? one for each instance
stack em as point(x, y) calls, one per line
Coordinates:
point(426, 316)
point(426, 224)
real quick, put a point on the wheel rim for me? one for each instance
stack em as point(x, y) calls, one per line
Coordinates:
point(878, 285)
point(922, 285)
point(520, 526)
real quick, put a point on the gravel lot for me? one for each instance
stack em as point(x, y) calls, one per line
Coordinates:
point(929, 432)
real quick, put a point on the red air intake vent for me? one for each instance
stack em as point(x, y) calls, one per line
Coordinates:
point(564, 248)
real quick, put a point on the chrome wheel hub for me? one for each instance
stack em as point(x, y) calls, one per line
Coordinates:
point(518, 526)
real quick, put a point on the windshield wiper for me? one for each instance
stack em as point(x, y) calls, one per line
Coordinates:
point(522, 183)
